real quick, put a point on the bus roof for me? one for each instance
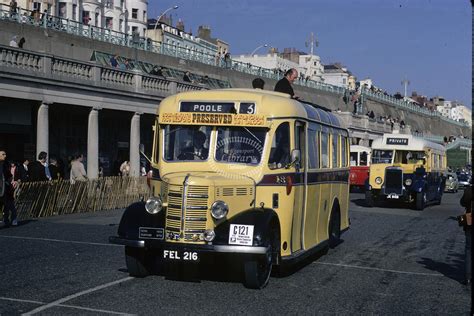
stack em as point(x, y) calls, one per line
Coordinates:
point(277, 105)
point(405, 142)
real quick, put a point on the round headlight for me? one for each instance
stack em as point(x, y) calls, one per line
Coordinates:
point(378, 180)
point(408, 182)
point(153, 205)
point(219, 209)
point(209, 235)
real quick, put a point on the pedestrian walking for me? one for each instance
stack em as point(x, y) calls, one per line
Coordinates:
point(13, 42)
point(24, 173)
point(21, 42)
point(7, 192)
point(54, 169)
point(466, 222)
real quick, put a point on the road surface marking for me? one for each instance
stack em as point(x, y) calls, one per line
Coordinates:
point(378, 269)
point(63, 305)
point(60, 240)
point(70, 297)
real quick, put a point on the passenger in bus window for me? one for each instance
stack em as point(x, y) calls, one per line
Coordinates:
point(197, 148)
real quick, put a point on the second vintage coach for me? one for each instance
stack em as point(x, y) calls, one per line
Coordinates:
point(249, 175)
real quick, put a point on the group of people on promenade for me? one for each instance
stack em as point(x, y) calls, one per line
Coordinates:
point(12, 174)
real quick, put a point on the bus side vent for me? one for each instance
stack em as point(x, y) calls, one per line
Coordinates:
point(228, 191)
point(241, 191)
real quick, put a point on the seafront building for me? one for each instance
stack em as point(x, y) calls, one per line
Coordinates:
point(127, 16)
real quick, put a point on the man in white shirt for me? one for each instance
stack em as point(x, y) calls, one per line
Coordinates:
point(78, 172)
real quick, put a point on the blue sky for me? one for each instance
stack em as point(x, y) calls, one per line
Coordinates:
point(426, 41)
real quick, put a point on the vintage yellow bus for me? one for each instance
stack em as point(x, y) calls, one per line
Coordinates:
point(408, 168)
point(247, 174)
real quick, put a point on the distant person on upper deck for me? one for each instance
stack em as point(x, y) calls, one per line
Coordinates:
point(258, 83)
point(284, 84)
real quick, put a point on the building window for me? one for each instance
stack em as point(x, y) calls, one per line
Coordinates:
point(62, 9)
point(135, 14)
point(74, 10)
point(85, 17)
point(121, 25)
point(109, 22)
point(134, 29)
point(144, 16)
point(343, 80)
point(97, 19)
point(36, 6)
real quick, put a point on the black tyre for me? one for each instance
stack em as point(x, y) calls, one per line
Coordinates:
point(137, 265)
point(257, 271)
point(420, 201)
point(334, 229)
point(369, 199)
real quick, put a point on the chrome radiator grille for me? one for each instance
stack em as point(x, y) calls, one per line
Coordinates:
point(190, 220)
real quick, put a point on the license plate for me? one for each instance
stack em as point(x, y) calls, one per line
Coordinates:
point(151, 233)
point(241, 235)
point(393, 196)
point(180, 255)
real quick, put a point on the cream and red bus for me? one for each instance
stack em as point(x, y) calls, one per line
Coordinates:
point(359, 165)
point(250, 175)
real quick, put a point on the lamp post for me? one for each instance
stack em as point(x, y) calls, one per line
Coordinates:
point(264, 45)
point(162, 14)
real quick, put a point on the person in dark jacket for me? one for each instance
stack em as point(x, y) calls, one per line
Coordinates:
point(24, 173)
point(38, 168)
point(284, 84)
point(54, 169)
point(466, 202)
point(7, 192)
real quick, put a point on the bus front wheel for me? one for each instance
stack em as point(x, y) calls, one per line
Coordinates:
point(420, 200)
point(257, 271)
point(369, 199)
point(135, 259)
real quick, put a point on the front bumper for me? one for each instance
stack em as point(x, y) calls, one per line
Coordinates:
point(154, 244)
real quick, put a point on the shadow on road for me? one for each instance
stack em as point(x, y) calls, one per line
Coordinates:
point(453, 270)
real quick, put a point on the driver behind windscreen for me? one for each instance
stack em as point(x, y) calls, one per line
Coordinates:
point(197, 149)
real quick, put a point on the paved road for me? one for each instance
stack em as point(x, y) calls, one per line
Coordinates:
point(391, 261)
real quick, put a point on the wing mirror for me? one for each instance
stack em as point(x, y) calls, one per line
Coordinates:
point(295, 159)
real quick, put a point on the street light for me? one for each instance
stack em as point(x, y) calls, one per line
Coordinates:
point(162, 14)
point(264, 45)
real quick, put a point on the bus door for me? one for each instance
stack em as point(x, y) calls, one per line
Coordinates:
point(299, 189)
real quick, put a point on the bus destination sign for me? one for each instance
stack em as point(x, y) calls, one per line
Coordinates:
point(212, 119)
point(208, 107)
point(397, 141)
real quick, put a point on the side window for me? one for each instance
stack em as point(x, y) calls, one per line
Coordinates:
point(324, 150)
point(335, 151)
point(353, 159)
point(343, 151)
point(363, 158)
point(313, 150)
point(280, 151)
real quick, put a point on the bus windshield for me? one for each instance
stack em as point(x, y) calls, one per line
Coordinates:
point(409, 156)
point(240, 144)
point(382, 156)
point(190, 143)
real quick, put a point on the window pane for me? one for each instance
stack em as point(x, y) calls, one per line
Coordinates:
point(324, 150)
point(382, 156)
point(186, 143)
point(353, 158)
point(363, 158)
point(313, 151)
point(343, 152)
point(240, 144)
point(335, 151)
point(280, 151)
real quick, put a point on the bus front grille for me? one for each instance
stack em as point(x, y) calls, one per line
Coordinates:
point(393, 181)
point(185, 223)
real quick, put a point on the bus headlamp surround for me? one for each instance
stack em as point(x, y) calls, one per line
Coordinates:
point(378, 180)
point(408, 182)
point(154, 205)
point(219, 209)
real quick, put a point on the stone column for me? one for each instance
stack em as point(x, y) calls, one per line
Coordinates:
point(93, 145)
point(135, 146)
point(42, 130)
